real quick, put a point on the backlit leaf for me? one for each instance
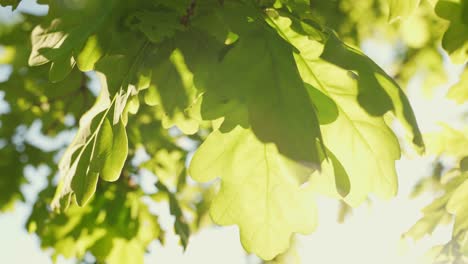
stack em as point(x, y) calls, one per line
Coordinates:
point(256, 192)
point(400, 9)
point(459, 92)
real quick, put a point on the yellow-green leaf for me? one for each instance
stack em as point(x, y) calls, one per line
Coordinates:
point(111, 150)
point(260, 190)
point(459, 92)
point(401, 9)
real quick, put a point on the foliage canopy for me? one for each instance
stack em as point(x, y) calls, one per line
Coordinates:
point(273, 97)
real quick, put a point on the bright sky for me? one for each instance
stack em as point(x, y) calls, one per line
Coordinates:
point(370, 235)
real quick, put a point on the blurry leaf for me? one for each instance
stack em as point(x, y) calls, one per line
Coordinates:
point(344, 211)
point(458, 205)
point(89, 54)
point(111, 150)
point(452, 202)
point(291, 256)
point(271, 76)
point(455, 40)
point(173, 90)
point(464, 164)
point(167, 166)
point(115, 227)
point(401, 9)
point(426, 225)
point(99, 148)
point(448, 141)
point(459, 92)
point(125, 251)
point(415, 31)
point(13, 3)
point(180, 6)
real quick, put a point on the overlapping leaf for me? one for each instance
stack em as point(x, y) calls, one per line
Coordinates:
point(278, 106)
point(369, 169)
point(362, 93)
point(156, 25)
point(172, 90)
point(440, 211)
point(10, 178)
point(13, 3)
point(459, 92)
point(98, 150)
point(455, 40)
point(116, 227)
point(401, 8)
point(269, 118)
point(267, 139)
point(258, 186)
point(448, 141)
point(378, 93)
point(77, 34)
point(181, 227)
point(453, 204)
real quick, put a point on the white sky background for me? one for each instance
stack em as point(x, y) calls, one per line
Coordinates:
point(370, 235)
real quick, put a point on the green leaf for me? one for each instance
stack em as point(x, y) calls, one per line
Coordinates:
point(438, 212)
point(75, 33)
point(448, 141)
point(180, 6)
point(427, 224)
point(455, 42)
point(99, 149)
point(378, 92)
point(91, 52)
point(115, 227)
point(60, 68)
point(111, 149)
point(156, 25)
point(11, 179)
point(464, 164)
point(327, 110)
point(455, 39)
point(278, 106)
point(119, 70)
point(172, 89)
point(369, 169)
point(401, 9)
point(168, 166)
point(332, 180)
point(125, 251)
point(13, 3)
point(256, 192)
point(458, 201)
point(459, 92)
point(180, 226)
point(85, 179)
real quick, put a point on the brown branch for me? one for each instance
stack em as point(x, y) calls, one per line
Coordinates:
point(184, 20)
